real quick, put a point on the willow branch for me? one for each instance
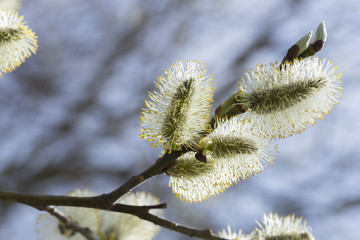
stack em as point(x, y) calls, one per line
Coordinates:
point(152, 171)
point(69, 224)
point(106, 202)
point(42, 202)
point(146, 215)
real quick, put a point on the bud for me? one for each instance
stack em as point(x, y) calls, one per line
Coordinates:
point(303, 43)
point(229, 108)
point(179, 112)
point(302, 49)
point(318, 42)
point(320, 37)
point(297, 49)
point(320, 33)
point(17, 42)
point(284, 228)
point(235, 153)
point(288, 100)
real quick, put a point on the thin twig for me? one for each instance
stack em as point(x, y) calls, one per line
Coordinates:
point(152, 171)
point(146, 215)
point(70, 224)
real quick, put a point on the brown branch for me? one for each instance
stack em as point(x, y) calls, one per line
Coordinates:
point(41, 201)
point(145, 215)
point(70, 224)
point(134, 181)
point(106, 202)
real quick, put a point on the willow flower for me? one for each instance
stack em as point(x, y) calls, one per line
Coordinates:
point(120, 226)
point(192, 180)
point(233, 235)
point(288, 100)
point(235, 153)
point(283, 228)
point(17, 41)
point(50, 227)
point(179, 111)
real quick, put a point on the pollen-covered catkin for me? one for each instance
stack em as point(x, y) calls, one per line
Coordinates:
point(179, 111)
point(288, 100)
point(17, 41)
point(235, 152)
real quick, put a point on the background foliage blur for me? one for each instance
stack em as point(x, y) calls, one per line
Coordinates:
point(69, 114)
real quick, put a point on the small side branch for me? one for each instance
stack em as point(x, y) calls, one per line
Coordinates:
point(144, 214)
point(134, 181)
point(69, 224)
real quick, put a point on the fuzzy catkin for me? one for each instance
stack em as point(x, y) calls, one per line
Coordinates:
point(284, 101)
